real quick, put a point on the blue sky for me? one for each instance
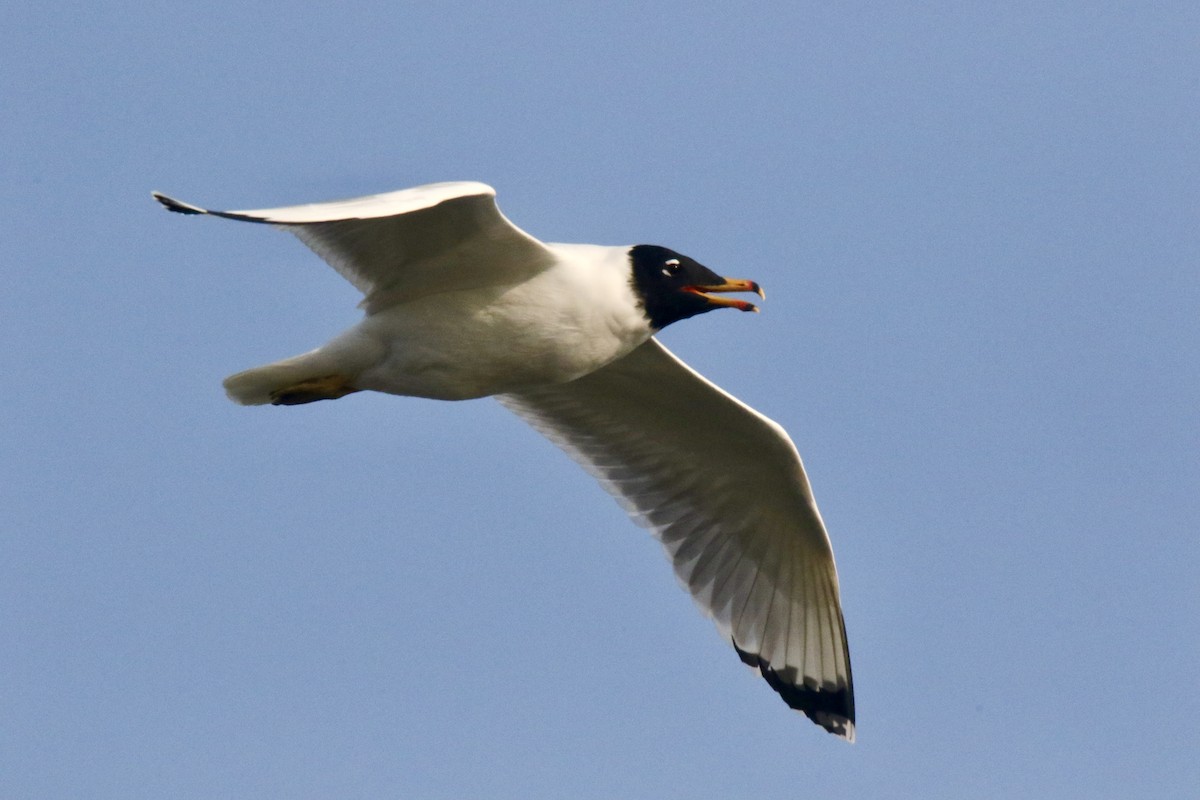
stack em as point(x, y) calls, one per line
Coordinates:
point(977, 229)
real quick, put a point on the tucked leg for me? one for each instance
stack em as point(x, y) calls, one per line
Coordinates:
point(329, 387)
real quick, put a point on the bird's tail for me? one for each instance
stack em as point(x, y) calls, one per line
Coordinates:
point(301, 379)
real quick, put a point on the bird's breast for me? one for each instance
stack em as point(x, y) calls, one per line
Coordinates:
point(462, 345)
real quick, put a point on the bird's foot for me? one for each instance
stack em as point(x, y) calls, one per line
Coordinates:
point(329, 387)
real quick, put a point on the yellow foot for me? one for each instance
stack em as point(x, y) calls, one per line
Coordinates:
point(330, 387)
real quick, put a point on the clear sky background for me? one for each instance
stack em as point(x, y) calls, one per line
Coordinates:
point(977, 227)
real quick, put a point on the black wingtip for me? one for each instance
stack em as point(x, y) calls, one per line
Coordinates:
point(178, 206)
point(830, 706)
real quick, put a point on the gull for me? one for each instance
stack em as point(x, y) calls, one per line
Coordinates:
point(460, 303)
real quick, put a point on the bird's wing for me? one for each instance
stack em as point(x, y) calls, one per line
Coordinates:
point(723, 489)
point(402, 245)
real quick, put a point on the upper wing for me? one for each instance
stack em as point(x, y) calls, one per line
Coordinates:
point(402, 245)
point(723, 489)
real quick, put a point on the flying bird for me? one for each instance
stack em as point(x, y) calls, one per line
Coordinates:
point(460, 303)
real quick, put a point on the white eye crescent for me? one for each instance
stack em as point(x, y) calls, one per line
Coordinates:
point(669, 266)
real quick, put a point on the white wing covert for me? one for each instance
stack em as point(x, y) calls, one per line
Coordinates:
point(407, 244)
point(724, 490)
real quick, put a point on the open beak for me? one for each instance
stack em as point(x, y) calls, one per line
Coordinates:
point(728, 286)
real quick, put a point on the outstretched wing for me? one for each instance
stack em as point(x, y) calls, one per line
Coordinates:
point(403, 245)
point(724, 490)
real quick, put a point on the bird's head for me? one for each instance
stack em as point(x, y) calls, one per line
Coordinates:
point(672, 286)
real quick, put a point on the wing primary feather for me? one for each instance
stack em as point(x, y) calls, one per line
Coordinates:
point(178, 206)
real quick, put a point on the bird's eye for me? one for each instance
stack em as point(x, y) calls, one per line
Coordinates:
point(670, 267)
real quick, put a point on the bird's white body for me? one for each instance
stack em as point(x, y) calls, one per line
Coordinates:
point(461, 304)
point(564, 322)
point(479, 342)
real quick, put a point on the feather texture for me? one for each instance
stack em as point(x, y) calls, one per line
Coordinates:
point(724, 490)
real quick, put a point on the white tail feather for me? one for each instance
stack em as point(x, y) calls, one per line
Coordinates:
point(254, 387)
